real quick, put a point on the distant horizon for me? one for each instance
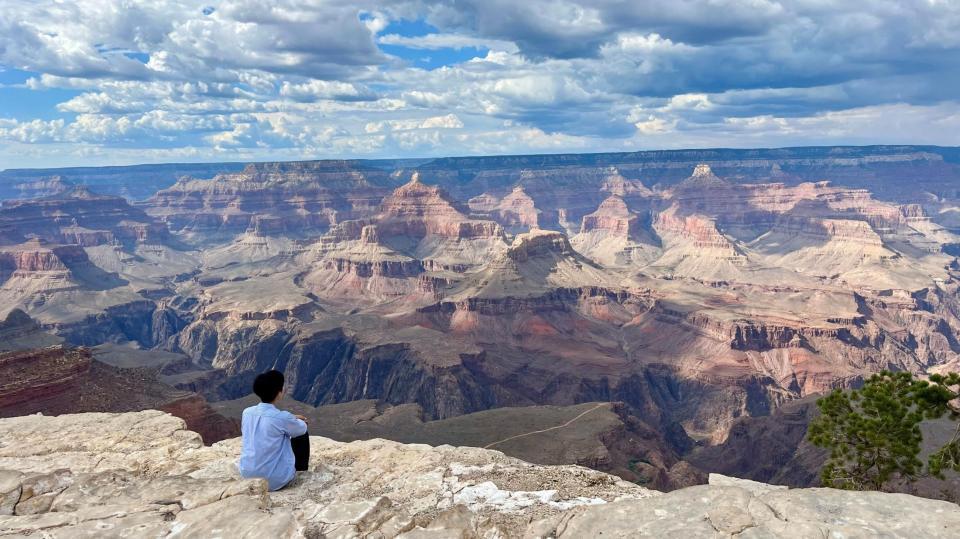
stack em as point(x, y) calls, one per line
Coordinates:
point(473, 156)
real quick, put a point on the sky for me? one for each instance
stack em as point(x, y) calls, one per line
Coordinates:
point(96, 82)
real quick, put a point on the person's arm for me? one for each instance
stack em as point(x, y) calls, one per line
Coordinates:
point(293, 426)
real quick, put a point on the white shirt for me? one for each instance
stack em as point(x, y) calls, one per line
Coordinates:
point(266, 449)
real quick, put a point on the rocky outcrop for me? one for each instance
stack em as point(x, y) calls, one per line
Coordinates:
point(43, 187)
point(36, 268)
point(38, 256)
point(614, 235)
point(143, 474)
point(539, 244)
point(517, 211)
point(368, 258)
point(612, 217)
point(417, 210)
point(418, 228)
point(79, 217)
point(293, 199)
point(619, 186)
point(729, 507)
point(21, 264)
point(35, 378)
point(816, 230)
point(361, 487)
point(699, 231)
point(61, 380)
point(483, 204)
point(380, 268)
point(20, 332)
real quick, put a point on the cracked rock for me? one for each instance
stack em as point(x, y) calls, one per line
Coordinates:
point(144, 475)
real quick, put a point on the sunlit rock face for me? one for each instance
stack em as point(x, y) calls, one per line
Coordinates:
point(78, 216)
point(270, 198)
point(417, 210)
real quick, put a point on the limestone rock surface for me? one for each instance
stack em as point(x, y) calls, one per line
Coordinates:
point(144, 475)
point(730, 507)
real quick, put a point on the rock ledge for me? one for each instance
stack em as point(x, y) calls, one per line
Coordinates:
point(144, 475)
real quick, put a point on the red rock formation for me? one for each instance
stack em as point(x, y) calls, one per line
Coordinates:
point(271, 198)
point(381, 268)
point(38, 377)
point(59, 380)
point(38, 256)
point(617, 185)
point(79, 217)
point(699, 229)
point(36, 265)
point(517, 210)
point(758, 204)
point(858, 231)
point(419, 210)
point(539, 244)
point(612, 217)
point(483, 205)
point(571, 191)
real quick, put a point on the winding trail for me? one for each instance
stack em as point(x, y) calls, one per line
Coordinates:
point(567, 424)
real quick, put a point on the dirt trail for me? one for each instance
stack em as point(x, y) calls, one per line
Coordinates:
point(567, 424)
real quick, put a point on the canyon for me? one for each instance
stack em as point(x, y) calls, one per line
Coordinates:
point(689, 295)
point(39, 374)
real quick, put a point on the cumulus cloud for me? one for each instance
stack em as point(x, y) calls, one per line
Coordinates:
point(447, 41)
point(95, 38)
point(33, 131)
point(322, 89)
point(297, 78)
point(449, 121)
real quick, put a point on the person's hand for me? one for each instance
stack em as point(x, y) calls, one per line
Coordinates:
point(301, 418)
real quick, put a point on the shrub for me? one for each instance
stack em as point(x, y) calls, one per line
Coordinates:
point(873, 433)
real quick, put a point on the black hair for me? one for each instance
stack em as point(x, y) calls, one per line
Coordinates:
point(268, 385)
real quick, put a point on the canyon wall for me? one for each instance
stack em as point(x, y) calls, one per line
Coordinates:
point(697, 288)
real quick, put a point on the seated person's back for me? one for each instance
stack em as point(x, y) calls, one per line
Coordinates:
point(267, 433)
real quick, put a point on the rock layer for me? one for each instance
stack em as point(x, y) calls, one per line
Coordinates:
point(79, 217)
point(61, 380)
point(270, 198)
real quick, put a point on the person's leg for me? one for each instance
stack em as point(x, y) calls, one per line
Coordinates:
point(301, 451)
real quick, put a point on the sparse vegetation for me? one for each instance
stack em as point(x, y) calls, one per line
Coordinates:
point(633, 466)
point(873, 433)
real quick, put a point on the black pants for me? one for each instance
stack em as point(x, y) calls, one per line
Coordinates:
point(301, 451)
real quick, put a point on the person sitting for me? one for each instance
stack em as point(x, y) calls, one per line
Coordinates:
point(275, 442)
